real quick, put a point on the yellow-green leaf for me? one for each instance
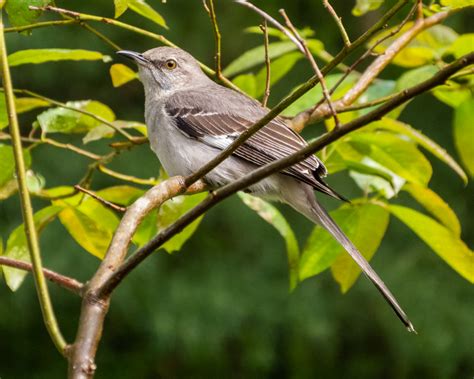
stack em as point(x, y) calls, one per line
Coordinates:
point(23, 104)
point(441, 240)
point(463, 45)
point(247, 83)
point(19, 14)
point(120, 7)
point(36, 56)
point(364, 225)
point(367, 237)
point(123, 195)
point(145, 10)
point(17, 246)
point(170, 211)
point(422, 140)
point(88, 222)
point(435, 205)
point(7, 163)
point(364, 6)
point(121, 74)
point(271, 215)
point(457, 3)
point(464, 133)
point(416, 76)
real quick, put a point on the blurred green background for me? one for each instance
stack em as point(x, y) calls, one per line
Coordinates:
point(220, 307)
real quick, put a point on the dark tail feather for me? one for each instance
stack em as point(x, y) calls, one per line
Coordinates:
point(321, 217)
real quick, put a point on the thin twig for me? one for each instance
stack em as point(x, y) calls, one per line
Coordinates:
point(217, 36)
point(101, 36)
point(19, 29)
point(27, 209)
point(127, 178)
point(274, 22)
point(266, 93)
point(101, 200)
point(64, 281)
point(314, 65)
point(340, 25)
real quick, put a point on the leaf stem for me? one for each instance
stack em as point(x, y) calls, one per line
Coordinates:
point(27, 210)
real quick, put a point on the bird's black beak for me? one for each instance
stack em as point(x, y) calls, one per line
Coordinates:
point(137, 57)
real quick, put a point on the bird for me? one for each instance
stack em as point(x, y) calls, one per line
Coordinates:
point(190, 119)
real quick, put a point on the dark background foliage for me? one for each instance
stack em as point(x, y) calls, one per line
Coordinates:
point(220, 307)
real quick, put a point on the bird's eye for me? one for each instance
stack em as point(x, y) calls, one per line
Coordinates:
point(170, 64)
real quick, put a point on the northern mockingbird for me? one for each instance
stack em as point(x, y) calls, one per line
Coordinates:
point(190, 119)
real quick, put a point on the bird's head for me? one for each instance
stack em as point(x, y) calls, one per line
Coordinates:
point(166, 69)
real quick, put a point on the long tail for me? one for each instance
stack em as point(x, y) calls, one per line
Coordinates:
point(318, 215)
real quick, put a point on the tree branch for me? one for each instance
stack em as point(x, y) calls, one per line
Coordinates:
point(266, 92)
point(340, 25)
point(64, 281)
point(27, 210)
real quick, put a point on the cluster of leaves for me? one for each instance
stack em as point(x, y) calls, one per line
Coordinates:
point(383, 159)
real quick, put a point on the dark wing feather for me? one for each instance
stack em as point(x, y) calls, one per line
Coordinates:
point(274, 141)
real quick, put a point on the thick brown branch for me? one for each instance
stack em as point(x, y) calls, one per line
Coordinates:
point(64, 281)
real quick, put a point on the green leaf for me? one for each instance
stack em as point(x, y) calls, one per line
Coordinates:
point(435, 205)
point(457, 3)
point(428, 46)
point(7, 163)
point(368, 236)
point(90, 224)
point(364, 6)
point(464, 133)
point(247, 83)
point(278, 69)
point(396, 154)
point(463, 45)
point(441, 240)
point(97, 133)
point(121, 74)
point(35, 56)
point(363, 223)
point(271, 215)
point(274, 32)
point(256, 56)
point(145, 10)
point(19, 14)
point(17, 246)
point(62, 120)
point(170, 211)
point(455, 92)
point(416, 76)
point(422, 140)
point(120, 7)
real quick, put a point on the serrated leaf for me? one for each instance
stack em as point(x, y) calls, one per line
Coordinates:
point(359, 222)
point(278, 69)
point(256, 56)
point(364, 6)
point(62, 120)
point(17, 246)
point(90, 224)
point(441, 240)
point(19, 14)
point(145, 10)
point(435, 205)
point(396, 154)
point(464, 133)
point(271, 215)
point(368, 236)
point(428, 46)
point(422, 140)
point(170, 211)
point(36, 56)
point(120, 7)
point(121, 74)
point(247, 83)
